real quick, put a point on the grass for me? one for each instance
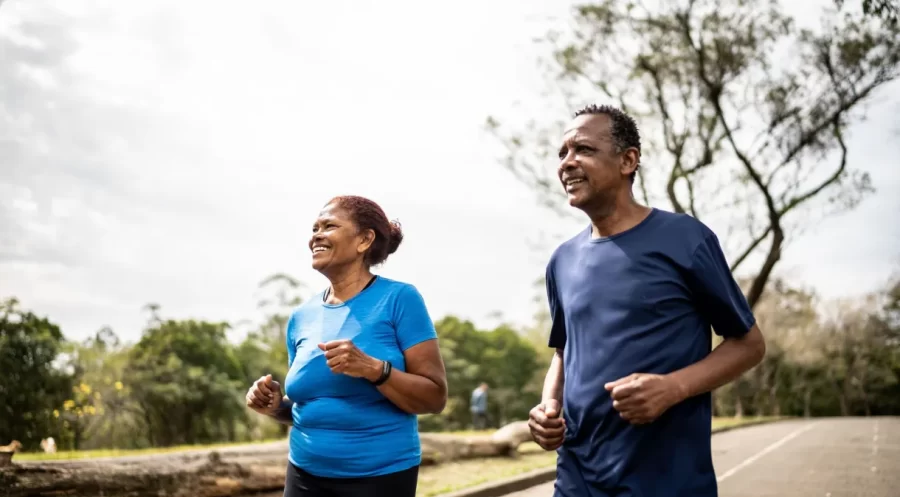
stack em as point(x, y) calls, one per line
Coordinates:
point(433, 480)
point(90, 454)
point(453, 476)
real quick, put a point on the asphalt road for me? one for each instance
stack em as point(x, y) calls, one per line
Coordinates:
point(857, 457)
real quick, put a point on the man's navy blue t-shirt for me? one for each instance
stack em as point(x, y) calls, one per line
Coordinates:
point(641, 301)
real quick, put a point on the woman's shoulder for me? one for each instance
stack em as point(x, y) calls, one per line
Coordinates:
point(397, 288)
point(309, 306)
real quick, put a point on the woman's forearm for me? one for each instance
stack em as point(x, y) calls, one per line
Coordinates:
point(413, 393)
point(283, 413)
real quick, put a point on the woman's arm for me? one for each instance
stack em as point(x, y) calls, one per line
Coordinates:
point(282, 413)
point(422, 388)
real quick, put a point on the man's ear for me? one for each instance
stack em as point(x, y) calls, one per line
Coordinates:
point(631, 159)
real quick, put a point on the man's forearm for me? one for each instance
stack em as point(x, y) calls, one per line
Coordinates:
point(726, 362)
point(555, 379)
point(283, 413)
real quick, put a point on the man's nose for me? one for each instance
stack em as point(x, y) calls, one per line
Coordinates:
point(567, 163)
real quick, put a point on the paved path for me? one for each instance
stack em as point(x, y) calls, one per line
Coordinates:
point(857, 457)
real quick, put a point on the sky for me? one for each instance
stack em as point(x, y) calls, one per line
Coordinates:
point(174, 153)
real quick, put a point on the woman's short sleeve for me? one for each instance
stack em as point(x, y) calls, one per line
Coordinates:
point(411, 318)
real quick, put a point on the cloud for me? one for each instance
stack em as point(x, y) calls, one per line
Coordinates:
point(160, 151)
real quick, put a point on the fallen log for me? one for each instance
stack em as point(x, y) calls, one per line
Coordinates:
point(505, 442)
point(227, 472)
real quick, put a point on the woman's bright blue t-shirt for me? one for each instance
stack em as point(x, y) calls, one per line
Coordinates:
point(343, 426)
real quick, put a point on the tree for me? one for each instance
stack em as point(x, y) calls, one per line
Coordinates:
point(33, 385)
point(281, 294)
point(720, 118)
point(100, 412)
point(188, 382)
point(500, 357)
point(889, 10)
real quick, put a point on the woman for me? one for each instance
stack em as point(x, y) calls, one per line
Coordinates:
point(364, 361)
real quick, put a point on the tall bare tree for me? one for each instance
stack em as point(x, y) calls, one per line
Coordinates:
point(744, 114)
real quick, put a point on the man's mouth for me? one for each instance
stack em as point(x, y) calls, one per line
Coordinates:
point(573, 183)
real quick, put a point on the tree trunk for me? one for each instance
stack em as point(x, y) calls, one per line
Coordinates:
point(807, 399)
point(773, 401)
point(232, 471)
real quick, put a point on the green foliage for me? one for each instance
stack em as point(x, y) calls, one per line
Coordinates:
point(32, 386)
point(500, 357)
point(842, 362)
point(100, 411)
point(183, 382)
point(889, 10)
point(188, 382)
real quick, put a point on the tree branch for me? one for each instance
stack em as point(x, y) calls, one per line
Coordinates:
point(749, 250)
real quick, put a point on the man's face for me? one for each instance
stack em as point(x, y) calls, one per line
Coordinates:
point(590, 169)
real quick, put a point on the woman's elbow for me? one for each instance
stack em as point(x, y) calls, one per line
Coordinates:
point(439, 405)
point(438, 400)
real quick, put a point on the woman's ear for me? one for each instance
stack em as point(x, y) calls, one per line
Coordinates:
point(367, 238)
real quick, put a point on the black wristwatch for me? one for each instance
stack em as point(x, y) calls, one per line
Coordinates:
point(386, 369)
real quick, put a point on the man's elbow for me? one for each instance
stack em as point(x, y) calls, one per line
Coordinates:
point(756, 345)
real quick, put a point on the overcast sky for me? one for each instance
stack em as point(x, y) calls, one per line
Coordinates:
point(177, 152)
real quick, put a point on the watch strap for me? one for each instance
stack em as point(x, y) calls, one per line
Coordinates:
point(386, 369)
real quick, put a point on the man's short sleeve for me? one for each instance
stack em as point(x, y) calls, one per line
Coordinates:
point(716, 293)
point(411, 319)
point(558, 326)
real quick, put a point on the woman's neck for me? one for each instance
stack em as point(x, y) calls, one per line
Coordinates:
point(347, 284)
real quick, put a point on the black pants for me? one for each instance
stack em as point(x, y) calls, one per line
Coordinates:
point(299, 483)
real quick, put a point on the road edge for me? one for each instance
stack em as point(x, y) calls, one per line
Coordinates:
point(536, 477)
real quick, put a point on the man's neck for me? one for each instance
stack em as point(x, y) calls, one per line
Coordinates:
point(617, 217)
point(347, 283)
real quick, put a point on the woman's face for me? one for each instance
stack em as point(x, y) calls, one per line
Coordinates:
point(336, 241)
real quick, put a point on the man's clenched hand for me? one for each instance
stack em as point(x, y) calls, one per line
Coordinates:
point(641, 398)
point(548, 428)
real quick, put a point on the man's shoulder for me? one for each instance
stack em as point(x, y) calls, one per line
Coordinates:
point(570, 245)
point(687, 226)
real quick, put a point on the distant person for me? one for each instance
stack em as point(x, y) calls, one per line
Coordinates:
point(632, 298)
point(364, 361)
point(479, 407)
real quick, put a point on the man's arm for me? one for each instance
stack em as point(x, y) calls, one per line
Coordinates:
point(726, 362)
point(641, 398)
point(555, 379)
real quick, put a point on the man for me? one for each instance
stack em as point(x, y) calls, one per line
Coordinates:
point(626, 400)
point(479, 406)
